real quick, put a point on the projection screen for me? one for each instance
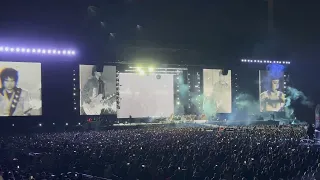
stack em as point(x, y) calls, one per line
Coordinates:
point(146, 95)
point(20, 89)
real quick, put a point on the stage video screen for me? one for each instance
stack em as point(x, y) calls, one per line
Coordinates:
point(20, 89)
point(271, 90)
point(217, 90)
point(97, 90)
point(146, 95)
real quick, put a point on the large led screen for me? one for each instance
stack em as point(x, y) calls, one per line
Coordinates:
point(20, 89)
point(217, 91)
point(146, 95)
point(97, 90)
point(272, 97)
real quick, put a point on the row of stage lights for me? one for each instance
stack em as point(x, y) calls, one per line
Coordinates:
point(53, 124)
point(74, 92)
point(151, 70)
point(37, 51)
point(264, 61)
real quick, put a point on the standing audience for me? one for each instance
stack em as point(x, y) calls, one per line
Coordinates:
point(161, 154)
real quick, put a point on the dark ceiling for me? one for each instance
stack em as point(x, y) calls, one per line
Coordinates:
point(213, 31)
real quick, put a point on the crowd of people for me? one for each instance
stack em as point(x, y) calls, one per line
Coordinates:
point(161, 153)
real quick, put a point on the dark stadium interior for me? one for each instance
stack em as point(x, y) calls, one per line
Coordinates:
point(176, 65)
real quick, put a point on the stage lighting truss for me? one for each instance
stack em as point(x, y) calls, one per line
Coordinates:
point(74, 92)
point(117, 90)
point(285, 81)
point(198, 90)
point(38, 51)
point(151, 70)
point(235, 80)
point(264, 61)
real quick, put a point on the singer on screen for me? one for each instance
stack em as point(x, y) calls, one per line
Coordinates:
point(14, 101)
point(272, 99)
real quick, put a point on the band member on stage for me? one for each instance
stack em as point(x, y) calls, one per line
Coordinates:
point(14, 101)
point(273, 99)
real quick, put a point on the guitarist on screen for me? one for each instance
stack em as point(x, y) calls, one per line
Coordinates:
point(93, 88)
point(14, 101)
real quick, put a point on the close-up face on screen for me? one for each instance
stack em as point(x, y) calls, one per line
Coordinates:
point(20, 89)
point(271, 90)
point(146, 95)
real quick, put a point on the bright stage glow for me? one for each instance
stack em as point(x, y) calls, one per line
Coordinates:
point(20, 89)
point(264, 61)
point(141, 72)
point(154, 70)
point(23, 50)
point(146, 96)
point(150, 69)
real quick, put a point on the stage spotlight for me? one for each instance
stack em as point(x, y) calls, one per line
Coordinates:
point(79, 123)
point(40, 124)
point(141, 73)
point(12, 125)
point(67, 124)
point(53, 123)
point(150, 69)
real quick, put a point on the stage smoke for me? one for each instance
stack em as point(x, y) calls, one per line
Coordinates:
point(246, 109)
point(206, 107)
point(183, 96)
point(293, 95)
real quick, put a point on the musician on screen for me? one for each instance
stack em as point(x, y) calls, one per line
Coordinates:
point(272, 99)
point(218, 98)
point(14, 101)
point(93, 96)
